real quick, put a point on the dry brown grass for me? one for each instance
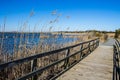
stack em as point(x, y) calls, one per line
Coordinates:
point(25, 68)
point(23, 51)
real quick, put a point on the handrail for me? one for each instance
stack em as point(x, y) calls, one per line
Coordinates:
point(116, 59)
point(91, 45)
point(15, 62)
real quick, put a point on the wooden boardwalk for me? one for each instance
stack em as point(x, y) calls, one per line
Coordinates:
point(97, 66)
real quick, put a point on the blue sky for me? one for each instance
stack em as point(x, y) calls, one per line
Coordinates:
point(74, 15)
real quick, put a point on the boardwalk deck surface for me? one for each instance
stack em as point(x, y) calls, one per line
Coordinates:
point(97, 66)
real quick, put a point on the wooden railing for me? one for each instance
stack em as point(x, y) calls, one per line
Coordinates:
point(116, 60)
point(48, 65)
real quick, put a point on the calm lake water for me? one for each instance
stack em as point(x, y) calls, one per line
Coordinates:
point(8, 40)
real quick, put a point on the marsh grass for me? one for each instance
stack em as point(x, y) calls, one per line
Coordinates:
point(21, 50)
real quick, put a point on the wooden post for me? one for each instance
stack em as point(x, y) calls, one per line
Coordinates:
point(34, 66)
point(81, 51)
point(66, 63)
point(93, 45)
point(98, 42)
point(89, 50)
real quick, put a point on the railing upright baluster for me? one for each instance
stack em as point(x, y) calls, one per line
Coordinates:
point(89, 50)
point(66, 63)
point(34, 66)
point(98, 42)
point(93, 45)
point(81, 51)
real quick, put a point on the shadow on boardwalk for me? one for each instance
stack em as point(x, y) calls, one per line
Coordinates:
point(97, 66)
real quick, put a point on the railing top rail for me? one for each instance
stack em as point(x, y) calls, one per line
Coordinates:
point(18, 61)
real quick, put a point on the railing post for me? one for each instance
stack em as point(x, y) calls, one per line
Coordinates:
point(34, 66)
point(89, 50)
point(98, 42)
point(81, 51)
point(66, 63)
point(93, 45)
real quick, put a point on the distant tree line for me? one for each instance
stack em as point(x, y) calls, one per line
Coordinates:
point(86, 31)
point(117, 33)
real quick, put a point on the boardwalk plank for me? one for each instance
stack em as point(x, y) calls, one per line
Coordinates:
point(97, 66)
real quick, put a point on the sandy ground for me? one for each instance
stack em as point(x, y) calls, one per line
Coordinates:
point(97, 66)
